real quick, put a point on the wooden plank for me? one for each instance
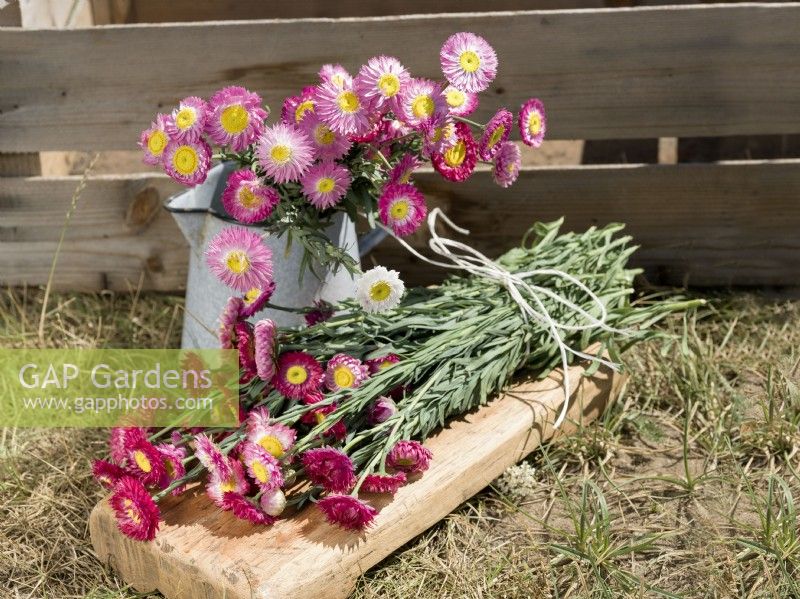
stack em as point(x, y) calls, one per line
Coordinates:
point(203, 552)
point(625, 73)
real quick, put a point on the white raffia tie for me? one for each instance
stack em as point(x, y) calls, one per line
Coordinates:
point(526, 295)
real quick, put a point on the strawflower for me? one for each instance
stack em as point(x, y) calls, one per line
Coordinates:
point(532, 122)
point(458, 161)
point(325, 184)
point(297, 374)
point(264, 333)
point(235, 118)
point(468, 62)
point(136, 512)
point(187, 161)
point(402, 208)
point(409, 456)
point(188, 120)
point(239, 258)
point(329, 468)
point(345, 372)
point(347, 511)
point(507, 162)
point(284, 152)
point(379, 289)
point(247, 199)
point(496, 133)
point(154, 140)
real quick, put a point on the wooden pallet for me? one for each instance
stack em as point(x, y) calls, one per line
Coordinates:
point(201, 552)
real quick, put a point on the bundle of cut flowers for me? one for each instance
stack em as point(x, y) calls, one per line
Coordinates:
point(337, 411)
point(347, 144)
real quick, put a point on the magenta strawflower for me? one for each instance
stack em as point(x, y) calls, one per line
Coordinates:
point(325, 184)
point(438, 138)
point(247, 199)
point(329, 468)
point(144, 462)
point(459, 102)
point(262, 466)
point(274, 437)
point(234, 482)
point(297, 374)
point(381, 80)
point(335, 74)
point(468, 62)
point(245, 343)
point(173, 457)
point(255, 299)
point(343, 109)
point(495, 134)
point(284, 152)
point(402, 208)
point(239, 258)
point(457, 162)
point(345, 372)
point(321, 312)
point(235, 118)
point(405, 167)
point(383, 483)
point(423, 103)
point(507, 162)
point(106, 473)
point(136, 512)
point(378, 364)
point(211, 457)
point(381, 410)
point(532, 122)
point(187, 161)
point(154, 140)
point(347, 511)
point(297, 108)
point(188, 120)
point(122, 440)
point(264, 332)
point(227, 321)
point(409, 456)
point(244, 509)
point(328, 144)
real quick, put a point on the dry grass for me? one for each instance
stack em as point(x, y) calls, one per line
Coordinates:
point(687, 489)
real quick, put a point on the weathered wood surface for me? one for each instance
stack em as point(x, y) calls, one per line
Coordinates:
point(732, 223)
point(670, 71)
point(202, 552)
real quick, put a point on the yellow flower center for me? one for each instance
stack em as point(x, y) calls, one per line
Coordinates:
point(343, 376)
point(399, 209)
point(234, 119)
point(319, 417)
point(185, 160)
point(348, 102)
point(389, 84)
point(252, 295)
point(185, 118)
point(296, 375)
point(227, 485)
point(379, 292)
point(454, 156)
point(248, 199)
point(534, 123)
point(302, 109)
point(170, 468)
point(280, 154)
point(272, 445)
point(405, 177)
point(469, 61)
point(141, 461)
point(325, 185)
point(422, 106)
point(156, 143)
point(455, 97)
point(131, 512)
point(385, 364)
point(260, 471)
point(496, 135)
point(324, 135)
point(237, 262)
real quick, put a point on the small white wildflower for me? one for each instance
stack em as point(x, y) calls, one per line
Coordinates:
point(379, 289)
point(517, 481)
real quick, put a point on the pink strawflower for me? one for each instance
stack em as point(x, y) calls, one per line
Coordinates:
point(347, 511)
point(461, 103)
point(265, 333)
point(239, 258)
point(262, 466)
point(188, 120)
point(187, 161)
point(335, 74)
point(211, 457)
point(274, 437)
point(329, 468)
point(325, 184)
point(154, 140)
point(136, 512)
point(495, 134)
point(284, 152)
point(106, 473)
point(144, 462)
point(409, 456)
point(391, 130)
point(381, 410)
point(507, 162)
point(405, 167)
point(532, 122)
point(297, 374)
point(247, 199)
point(173, 457)
point(402, 208)
point(122, 440)
point(255, 299)
point(337, 430)
point(381, 80)
point(227, 322)
point(247, 350)
point(468, 62)
point(438, 138)
point(383, 483)
point(244, 509)
point(378, 364)
point(457, 162)
point(328, 144)
point(321, 312)
point(297, 108)
point(423, 103)
point(343, 109)
point(273, 502)
point(235, 482)
point(345, 372)
point(235, 118)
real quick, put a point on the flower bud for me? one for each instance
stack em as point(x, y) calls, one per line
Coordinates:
point(273, 502)
point(381, 410)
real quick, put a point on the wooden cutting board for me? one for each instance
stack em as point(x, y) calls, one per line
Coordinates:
point(202, 552)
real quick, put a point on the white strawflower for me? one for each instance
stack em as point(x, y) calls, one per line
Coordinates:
point(273, 502)
point(379, 289)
